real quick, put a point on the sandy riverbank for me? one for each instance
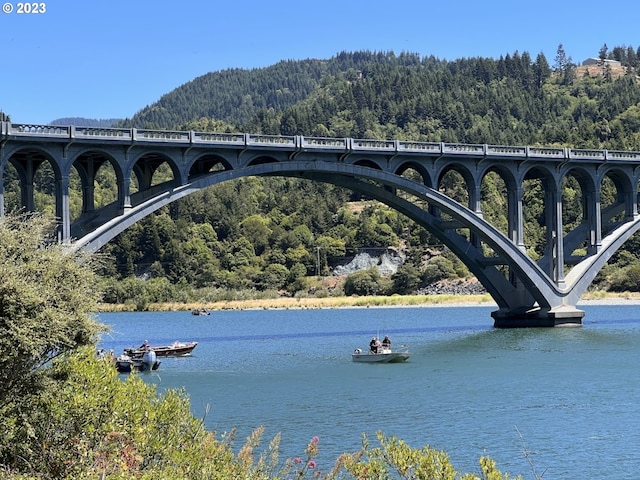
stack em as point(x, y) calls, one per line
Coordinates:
point(285, 303)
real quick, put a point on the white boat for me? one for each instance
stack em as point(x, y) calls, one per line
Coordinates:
point(145, 363)
point(384, 355)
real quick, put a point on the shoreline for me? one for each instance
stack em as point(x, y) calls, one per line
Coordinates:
point(419, 301)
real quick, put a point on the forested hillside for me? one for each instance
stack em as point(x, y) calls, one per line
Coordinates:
point(270, 235)
point(235, 95)
point(86, 122)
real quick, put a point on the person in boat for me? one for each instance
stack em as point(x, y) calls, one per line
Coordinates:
point(386, 343)
point(373, 345)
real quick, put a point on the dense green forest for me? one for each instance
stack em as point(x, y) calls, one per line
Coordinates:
point(273, 236)
point(86, 122)
point(513, 100)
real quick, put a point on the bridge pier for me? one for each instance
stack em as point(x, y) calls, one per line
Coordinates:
point(561, 316)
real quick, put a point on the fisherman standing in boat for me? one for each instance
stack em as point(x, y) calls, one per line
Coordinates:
point(386, 343)
point(373, 345)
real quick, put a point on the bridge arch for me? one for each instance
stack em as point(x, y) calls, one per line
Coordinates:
point(536, 292)
point(417, 167)
point(207, 163)
point(472, 183)
point(543, 294)
point(145, 168)
point(27, 162)
point(580, 231)
point(513, 198)
point(366, 162)
point(89, 163)
point(503, 172)
point(625, 201)
point(261, 160)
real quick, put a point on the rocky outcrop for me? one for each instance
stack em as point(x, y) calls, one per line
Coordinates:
point(387, 263)
point(453, 287)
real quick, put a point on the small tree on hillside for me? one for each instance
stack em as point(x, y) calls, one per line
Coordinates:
point(564, 66)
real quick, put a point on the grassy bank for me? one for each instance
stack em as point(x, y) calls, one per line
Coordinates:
point(311, 302)
point(347, 302)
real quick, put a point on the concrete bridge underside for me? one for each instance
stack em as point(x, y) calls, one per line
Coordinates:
point(526, 296)
point(527, 292)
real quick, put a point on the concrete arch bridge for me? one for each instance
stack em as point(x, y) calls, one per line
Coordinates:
point(408, 176)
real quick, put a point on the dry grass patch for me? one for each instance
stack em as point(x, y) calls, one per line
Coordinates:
point(285, 303)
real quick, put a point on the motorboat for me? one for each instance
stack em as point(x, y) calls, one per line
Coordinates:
point(383, 355)
point(176, 349)
point(200, 312)
point(148, 361)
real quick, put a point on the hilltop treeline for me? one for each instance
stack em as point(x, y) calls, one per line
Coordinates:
point(86, 122)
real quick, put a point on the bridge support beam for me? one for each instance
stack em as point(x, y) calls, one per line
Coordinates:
point(562, 316)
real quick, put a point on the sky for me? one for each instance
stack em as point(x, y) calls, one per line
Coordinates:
point(111, 58)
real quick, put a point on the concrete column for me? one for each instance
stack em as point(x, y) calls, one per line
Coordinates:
point(593, 218)
point(549, 221)
point(515, 217)
point(558, 258)
point(88, 189)
point(553, 217)
point(62, 209)
point(28, 201)
point(125, 193)
point(475, 204)
point(475, 195)
point(631, 206)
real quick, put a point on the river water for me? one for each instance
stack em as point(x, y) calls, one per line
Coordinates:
point(568, 397)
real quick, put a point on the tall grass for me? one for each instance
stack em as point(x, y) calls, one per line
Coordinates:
point(310, 302)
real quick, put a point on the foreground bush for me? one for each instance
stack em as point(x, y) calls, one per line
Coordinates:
point(46, 298)
point(95, 425)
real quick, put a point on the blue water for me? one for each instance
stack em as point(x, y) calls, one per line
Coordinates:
point(569, 397)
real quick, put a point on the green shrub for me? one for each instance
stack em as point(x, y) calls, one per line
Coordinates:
point(626, 280)
point(364, 282)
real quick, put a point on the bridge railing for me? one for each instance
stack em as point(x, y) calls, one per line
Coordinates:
point(101, 133)
point(547, 152)
point(420, 147)
point(162, 135)
point(506, 151)
point(325, 143)
point(39, 130)
point(465, 149)
point(300, 143)
point(373, 145)
point(213, 138)
point(622, 155)
point(273, 141)
point(586, 154)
